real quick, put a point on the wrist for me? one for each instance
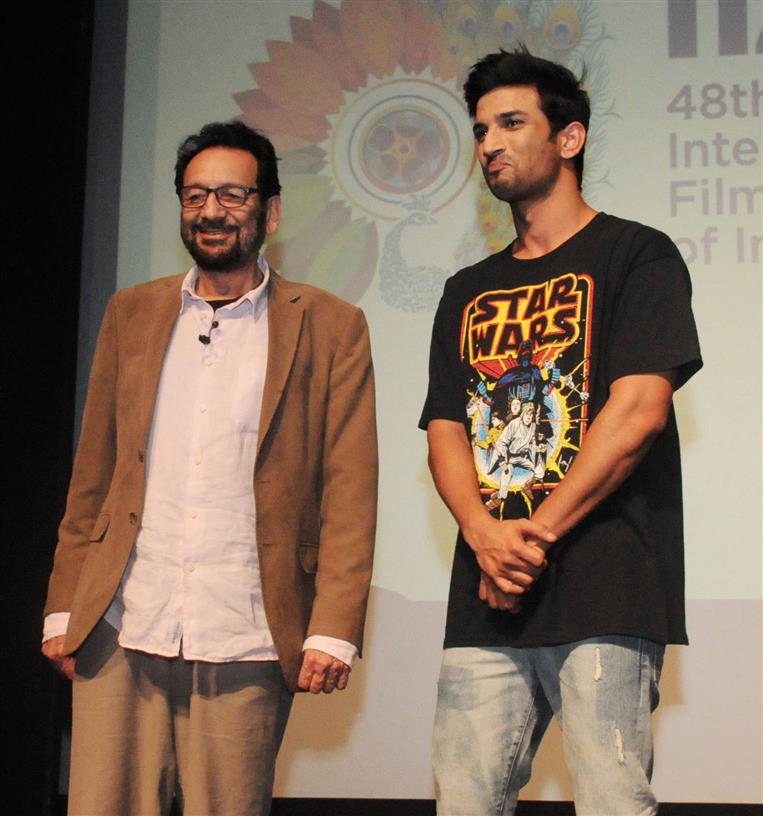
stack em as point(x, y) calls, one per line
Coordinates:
point(475, 525)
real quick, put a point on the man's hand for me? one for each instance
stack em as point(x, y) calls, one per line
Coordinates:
point(322, 672)
point(512, 554)
point(53, 649)
point(494, 598)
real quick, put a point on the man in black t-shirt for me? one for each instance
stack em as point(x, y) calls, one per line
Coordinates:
point(568, 571)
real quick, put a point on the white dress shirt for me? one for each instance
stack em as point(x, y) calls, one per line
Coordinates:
point(193, 576)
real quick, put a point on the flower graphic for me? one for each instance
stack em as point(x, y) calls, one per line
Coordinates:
point(364, 106)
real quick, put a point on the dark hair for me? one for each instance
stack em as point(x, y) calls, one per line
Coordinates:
point(562, 99)
point(232, 134)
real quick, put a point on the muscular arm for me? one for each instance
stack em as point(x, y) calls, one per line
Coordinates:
point(633, 416)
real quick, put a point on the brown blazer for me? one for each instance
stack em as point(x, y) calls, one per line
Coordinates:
point(314, 479)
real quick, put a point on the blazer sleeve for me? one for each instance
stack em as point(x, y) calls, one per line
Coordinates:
point(92, 472)
point(349, 491)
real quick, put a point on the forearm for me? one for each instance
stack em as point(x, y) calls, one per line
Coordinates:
point(348, 492)
point(452, 466)
point(506, 551)
point(617, 441)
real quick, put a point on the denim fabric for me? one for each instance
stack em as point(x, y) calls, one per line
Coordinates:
point(494, 705)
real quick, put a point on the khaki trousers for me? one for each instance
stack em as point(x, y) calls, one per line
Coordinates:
point(146, 728)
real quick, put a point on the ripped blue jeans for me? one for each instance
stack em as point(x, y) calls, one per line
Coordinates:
point(494, 705)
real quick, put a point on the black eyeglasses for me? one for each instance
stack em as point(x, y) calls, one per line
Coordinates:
point(229, 196)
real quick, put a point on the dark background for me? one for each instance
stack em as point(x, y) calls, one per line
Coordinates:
point(46, 120)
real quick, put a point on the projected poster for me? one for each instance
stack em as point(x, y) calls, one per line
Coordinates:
point(383, 201)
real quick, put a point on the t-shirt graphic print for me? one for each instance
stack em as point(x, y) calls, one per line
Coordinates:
point(527, 400)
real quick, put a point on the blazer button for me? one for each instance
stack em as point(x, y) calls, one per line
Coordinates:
point(133, 518)
point(141, 456)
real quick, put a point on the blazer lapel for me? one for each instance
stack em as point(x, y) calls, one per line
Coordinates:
point(285, 311)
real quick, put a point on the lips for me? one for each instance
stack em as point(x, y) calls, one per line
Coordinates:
point(207, 227)
point(212, 234)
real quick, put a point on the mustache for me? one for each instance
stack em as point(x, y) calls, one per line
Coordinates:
point(218, 224)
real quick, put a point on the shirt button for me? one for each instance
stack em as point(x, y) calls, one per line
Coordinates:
point(197, 460)
point(194, 515)
point(189, 568)
point(210, 362)
point(203, 409)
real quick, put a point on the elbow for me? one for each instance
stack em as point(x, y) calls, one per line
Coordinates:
point(645, 433)
point(432, 464)
point(656, 420)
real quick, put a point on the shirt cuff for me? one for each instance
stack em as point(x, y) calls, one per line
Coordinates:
point(55, 625)
point(340, 649)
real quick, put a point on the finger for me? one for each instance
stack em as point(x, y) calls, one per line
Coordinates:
point(315, 665)
point(336, 677)
point(483, 589)
point(522, 579)
point(532, 528)
point(67, 666)
point(344, 678)
point(530, 556)
point(490, 596)
point(305, 676)
point(497, 599)
point(507, 586)
point(489, 582)
point(53, 648)
point(317, 681)
point(332, 675)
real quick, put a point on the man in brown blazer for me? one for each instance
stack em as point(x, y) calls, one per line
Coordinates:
point(216, 550)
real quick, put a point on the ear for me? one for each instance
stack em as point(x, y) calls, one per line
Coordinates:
point(272, 214)
point(571, 140)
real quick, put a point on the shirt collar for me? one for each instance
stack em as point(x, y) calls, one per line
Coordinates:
point(254, 296)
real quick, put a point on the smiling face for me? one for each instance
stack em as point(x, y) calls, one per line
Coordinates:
point(221, 239)
point(520, 159)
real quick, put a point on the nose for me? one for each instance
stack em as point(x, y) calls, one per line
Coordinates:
point(212, 208)
point(491, 144)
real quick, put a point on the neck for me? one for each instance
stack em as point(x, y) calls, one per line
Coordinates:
point(544, 225)
point(228, 284)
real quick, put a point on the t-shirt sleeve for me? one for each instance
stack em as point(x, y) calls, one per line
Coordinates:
point(445, 395)
point(653, 327)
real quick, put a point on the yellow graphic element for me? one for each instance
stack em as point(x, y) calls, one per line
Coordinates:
point(548, 314)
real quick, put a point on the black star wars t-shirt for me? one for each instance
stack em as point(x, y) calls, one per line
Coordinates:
point(523, 353)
